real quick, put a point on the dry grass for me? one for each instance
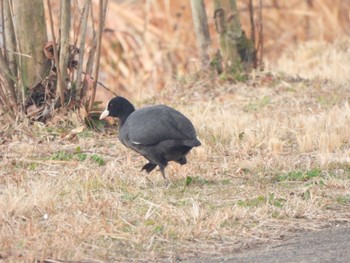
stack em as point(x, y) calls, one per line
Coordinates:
point(274, 160)
point(153, 42)
point(318, 59)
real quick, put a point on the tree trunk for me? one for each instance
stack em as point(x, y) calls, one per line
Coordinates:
point(234, 46)
point(31, 36)
point(201, 29)
point(229, 29)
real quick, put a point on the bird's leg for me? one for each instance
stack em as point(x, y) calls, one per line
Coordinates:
point(161, 168)
point(182, 160)
point(149, 167)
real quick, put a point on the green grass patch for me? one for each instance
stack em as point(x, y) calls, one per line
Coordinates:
point(85, 134)
point(158, 229)
point(32, 166)
point(277, 202)
point(62, 156)
point(225, 182)
point(78, 156)
point(150, 222)
point(257, 105)
point(343, 200)
point(98, 159)
point(299, 175)
point(271, 199)
point(249, 203)
point(196, 180)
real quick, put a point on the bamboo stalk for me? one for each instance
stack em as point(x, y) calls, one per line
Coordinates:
point(10, 38)
point(9, 68)
point(8, 83)
point(4, 103)
point(3, 99)
point(81, 49)
point(102, 15)
point(2, 15)
point(19, 61)
point(2, 22)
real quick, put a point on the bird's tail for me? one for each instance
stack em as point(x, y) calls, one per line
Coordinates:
point(192, 143)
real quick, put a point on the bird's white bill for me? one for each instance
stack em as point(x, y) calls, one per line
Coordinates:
point(104, 114)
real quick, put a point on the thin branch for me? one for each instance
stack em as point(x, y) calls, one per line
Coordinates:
point(82, 48)
point(15, 53)
point(55, 53)
point(90, 62)
point(308, 29)
point(75, 29)
point(102, 15)
point(104, 86)
point(252, 34)
point(252, 23)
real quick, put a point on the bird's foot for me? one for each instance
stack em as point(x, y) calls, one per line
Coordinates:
point(167, 183)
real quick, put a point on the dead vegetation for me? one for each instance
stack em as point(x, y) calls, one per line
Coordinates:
point(274, 160)
point(153, 42)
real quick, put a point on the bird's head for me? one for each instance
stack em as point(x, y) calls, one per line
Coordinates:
point(118, 107)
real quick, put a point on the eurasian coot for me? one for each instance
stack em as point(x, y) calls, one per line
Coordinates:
point(159, 133)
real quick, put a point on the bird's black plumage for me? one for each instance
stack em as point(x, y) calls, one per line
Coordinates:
point(159, 133)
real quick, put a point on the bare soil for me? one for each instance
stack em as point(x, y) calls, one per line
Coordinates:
point(327, 245)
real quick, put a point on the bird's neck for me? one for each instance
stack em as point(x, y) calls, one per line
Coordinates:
point(127, 110)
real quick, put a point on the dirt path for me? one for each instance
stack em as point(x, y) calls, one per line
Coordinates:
point(331, 245)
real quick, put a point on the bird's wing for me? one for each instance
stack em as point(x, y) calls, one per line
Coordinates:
point(154, 124)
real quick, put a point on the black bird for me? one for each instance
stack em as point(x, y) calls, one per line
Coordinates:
point(159, 133)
